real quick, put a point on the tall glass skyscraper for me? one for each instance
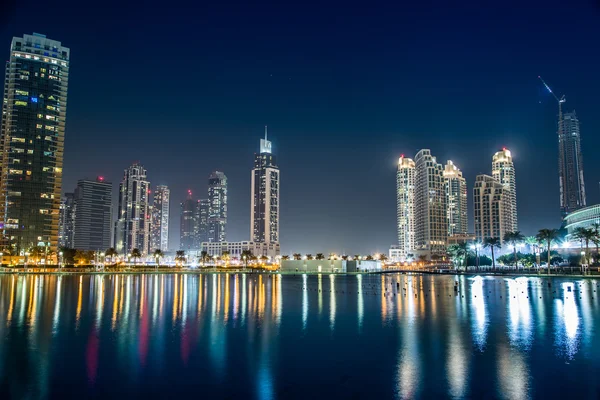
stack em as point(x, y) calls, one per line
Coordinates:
point(160, 219)
point(66, 221)
point(217, 212)
point(570, 164)
point(133, 224)
point(188, 226)
point(405, 206)
point(503, 171)
point(93, 214)
point(32, 141)
point(456, 199)
point(264, 217)
point(202, 211)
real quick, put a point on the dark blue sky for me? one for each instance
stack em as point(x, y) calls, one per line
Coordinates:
point(345, 89)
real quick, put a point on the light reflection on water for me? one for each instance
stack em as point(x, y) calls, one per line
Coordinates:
point(282, 336)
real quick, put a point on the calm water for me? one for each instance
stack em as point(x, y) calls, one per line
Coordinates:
point(272, 336)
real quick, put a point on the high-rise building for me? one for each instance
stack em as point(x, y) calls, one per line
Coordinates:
point(202, 212)
point(456, 200)
point(66, 221)
point(431, 224)
point(217, 211)
point(405, 206)
point(490, 202)
point(264, 216)
point(32, 141)
point(188, 227)
point(133, 225)
point(570, 164)
point(93, 214)
point(160, 218)
point(503, 170)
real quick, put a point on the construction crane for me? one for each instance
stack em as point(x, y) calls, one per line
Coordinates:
point(560, 101)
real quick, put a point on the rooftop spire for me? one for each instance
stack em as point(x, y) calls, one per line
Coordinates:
point(265, 132)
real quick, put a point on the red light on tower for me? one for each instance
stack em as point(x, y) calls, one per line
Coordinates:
point(100, 179)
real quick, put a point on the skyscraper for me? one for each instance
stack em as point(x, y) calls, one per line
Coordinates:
point(188, 227)
point(405, 205)
point(570, 164)
point(32, 140)
point(66, 221)
point(93, 214)
point(160, 218)
point(456, 200)
point(202, 212)
point(217, 211)
point(264, 216)
point(431, 224)
point(503, 170)
point(490, 202)
point(133, 225)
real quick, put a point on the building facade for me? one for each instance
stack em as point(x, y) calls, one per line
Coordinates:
point(92, 215)
point(188, 224)
point(503, 171)
point(570, 164)
point(202, 212)
point(586, 218)
point(431, 223)
point(132, 229)
point(66, 221)
point(217, 210)
point(160, 218)
point(32, 141)
point(264, 217)
point(456, 200)
point(489, 204)
point(405, 208)
point(235, 249)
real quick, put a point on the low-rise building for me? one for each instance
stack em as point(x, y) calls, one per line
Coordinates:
point(330, 266)
point(235, 249)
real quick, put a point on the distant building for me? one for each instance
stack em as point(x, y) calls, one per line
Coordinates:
point(133, 225)
point(570, 164)
point(583, 218)
point(503, 171)
point(405, 207)
point(456, 200)
point(188, 224)
point(490, 201)
point(66, 221)
point(330, 266)
point(160, 218)
point(431, 224)
point(32, 141)
point(264, 217)
point(92, 215)
point(235, 249)
point(217, 212)
point(202, 211)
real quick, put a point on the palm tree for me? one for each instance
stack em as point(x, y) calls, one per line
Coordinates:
point(585, 235)
point(247, 256)
point(204, 257)
point(548, 236)
point(82, 257)
point(459, 252)
point(264, 259)
point(532, 242)
point(383, 257)
point(225, 257)
point(356, 257)
point(423, 258)
point(514, 238)
point(285, 258)
point(320, 256)
point(180, 257)
point(491, 243)
point(136, 254)
point(297, 256)
point(344, 257)
point(309, 257)
point(111, 253)
point(369, 257)
point(158, 254)
point(596, 240)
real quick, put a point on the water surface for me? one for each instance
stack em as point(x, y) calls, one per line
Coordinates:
point(282, 336)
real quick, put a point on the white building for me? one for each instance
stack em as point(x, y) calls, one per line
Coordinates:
point(264, 215)
point(160, 218)
point(456, 200)
point(133, 219)
point(431, 224)
point(489, 204)
point(405, 207)
point(503, 171)
point(235, 249)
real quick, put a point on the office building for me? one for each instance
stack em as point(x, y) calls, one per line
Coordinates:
point(570, 164)
point(503, 171)
point(92, 215)
point(132, 229)
point(431, 224)
point(217, 210)
point(405, 207)
point(66, 221)
point(32, 141)
point(264, 216)
point(188, 224)
point(490, 202)
point(456, 200)
point(202, 211)
point(235, 249)
point(160, 219)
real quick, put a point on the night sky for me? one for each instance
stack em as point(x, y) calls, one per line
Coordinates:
point(345, 89)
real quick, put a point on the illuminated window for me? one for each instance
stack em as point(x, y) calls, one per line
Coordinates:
point(18, 139)
point(29, 151)
point(17, 150)
point(50, 117)
point(20, 103)
point(51, 128)
point(28, 173)
point(22, 92)
point(38, 126)
point(14, 193)
point(44, 211)
point(51, 108)
point(15, 171)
